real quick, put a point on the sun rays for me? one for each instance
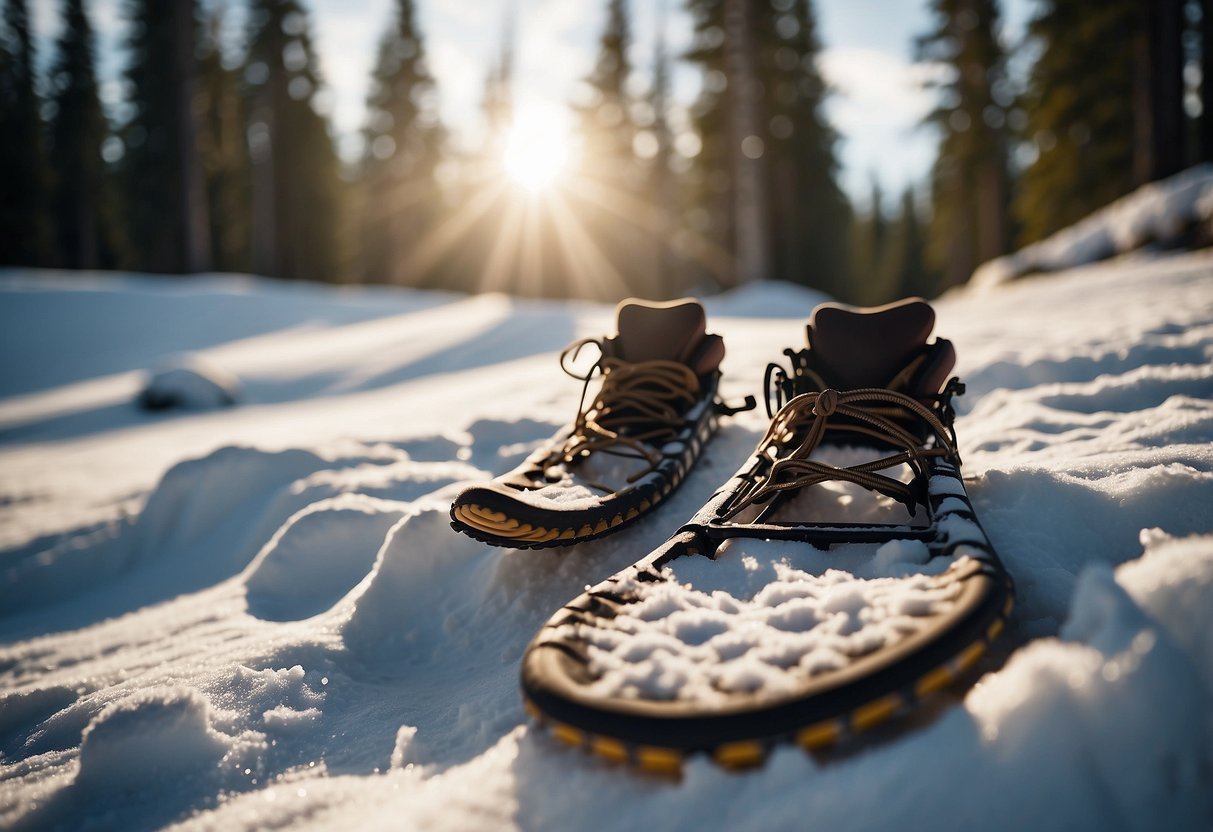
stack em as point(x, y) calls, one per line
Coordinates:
point(539, 221)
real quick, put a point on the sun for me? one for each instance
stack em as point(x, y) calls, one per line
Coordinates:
point(536, 149)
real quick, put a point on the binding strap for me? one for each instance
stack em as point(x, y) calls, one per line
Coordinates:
point(639, 403)
point(872, 412)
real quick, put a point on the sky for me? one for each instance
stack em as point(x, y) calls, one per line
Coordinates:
point(877, 104)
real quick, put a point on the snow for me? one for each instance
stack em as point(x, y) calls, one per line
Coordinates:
point(258, 616)
point(692, 639)
point(191, 384)
point(1161, 213)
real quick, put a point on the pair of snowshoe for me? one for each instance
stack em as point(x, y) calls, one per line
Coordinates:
point(838, 579)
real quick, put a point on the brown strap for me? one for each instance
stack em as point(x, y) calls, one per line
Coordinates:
point(872, 412)
point(639, 405)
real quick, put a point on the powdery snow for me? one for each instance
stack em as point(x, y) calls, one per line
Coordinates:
point(690, 639)
point(1164, 213)
point(258, 616)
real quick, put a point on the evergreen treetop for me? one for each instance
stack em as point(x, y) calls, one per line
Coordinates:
point(402, 117)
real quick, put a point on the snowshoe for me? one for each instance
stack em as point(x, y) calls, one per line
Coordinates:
point(626, 451)
point(840, 577)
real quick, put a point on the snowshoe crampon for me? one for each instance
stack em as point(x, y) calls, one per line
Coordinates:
point(628, 448)
point(839, 579)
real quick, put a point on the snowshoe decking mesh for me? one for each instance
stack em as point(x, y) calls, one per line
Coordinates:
point(655, 663)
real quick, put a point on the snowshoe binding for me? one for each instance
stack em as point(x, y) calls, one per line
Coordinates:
point(628, 448)
point(840, 577)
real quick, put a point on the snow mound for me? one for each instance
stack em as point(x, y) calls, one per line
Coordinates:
point(19, 709)
point(152, 736)
point(1115, 715)
point(1089, 418)
point(192, 384)
point(224, 494)
point(279, 700)
point(1173, 583)
point(318, 555)
point(1162, 213)
point(767, 299)
point(425, 577)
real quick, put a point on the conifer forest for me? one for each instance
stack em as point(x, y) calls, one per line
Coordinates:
point(220, 158)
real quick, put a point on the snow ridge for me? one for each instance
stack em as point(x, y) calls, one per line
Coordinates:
point(258, 616)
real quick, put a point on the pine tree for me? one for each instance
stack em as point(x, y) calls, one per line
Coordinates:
point(403, 149)
point(24, 176)
point(497, 103)
point(661, 187)
point(610, 199)
point(904, 269)
point(607, 129)
point(1081, 112)
point(811, 215)
point(870, 233)
point(296, 187)
point(708, 183)
point(84, 198)
point(475, 227)
point(751, 210)
point(970, 179)
point(764, 180)
point(224, 154)
point(166, 192)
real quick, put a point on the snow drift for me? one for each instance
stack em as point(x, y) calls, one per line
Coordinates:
point(258, 615)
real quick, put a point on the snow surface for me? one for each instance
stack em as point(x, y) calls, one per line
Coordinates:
point(1160, 213)
point(258, 616)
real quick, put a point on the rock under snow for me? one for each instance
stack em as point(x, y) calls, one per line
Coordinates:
point(193, 385)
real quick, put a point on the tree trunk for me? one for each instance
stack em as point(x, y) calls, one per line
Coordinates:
point(750, 225)
point(1206, 80)
point(195, 224)
point(261, 152)
point(1166, 87)
point(1158, 92)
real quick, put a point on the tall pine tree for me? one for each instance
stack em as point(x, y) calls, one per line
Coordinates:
point(869, 246)
point(607, 129)
point(970, 181)
point(401, 196)
point(24, 176)
point(904, 268)
point(224, 153)
point(655, 145)
point(85, 213)
point(765, 176)
point(169, 226)
point(1080, 104)
point(810, 214)
point(611, 204)
point(296, 187)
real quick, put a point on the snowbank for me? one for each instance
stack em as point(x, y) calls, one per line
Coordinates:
point(1162, 213)
point(259, 616)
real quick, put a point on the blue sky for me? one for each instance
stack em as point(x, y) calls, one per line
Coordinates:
point(867, 58)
